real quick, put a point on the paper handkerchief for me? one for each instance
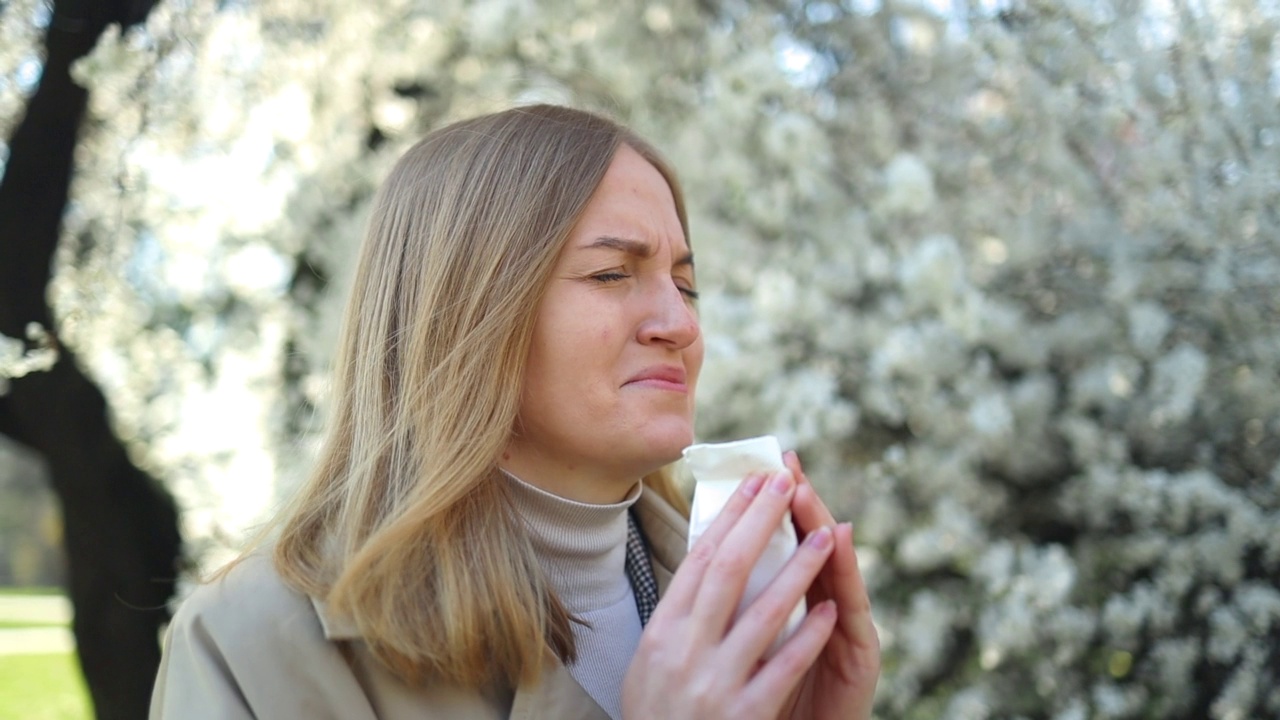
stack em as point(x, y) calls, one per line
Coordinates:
point(718, 469)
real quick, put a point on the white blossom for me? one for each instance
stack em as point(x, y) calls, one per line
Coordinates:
point(1149, 324)
point(932, 275)
point(1177, 381)
point(908, 185)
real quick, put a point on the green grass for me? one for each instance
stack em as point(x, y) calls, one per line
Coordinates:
point(42, 687)
point(30, 590)
point(21, 624)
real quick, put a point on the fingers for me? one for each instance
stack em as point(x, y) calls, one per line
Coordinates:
point(792, 461)
point(841, 579)
point(727, 575)
point(845, 585)
point(848, 589)
point(688, 578)
point(779, 676)
point(682, 649)
point(687, 660)
point(756, 629)
point(808, 510)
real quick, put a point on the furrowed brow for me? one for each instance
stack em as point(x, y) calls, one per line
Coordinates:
point(631, 247)
point(637, 248)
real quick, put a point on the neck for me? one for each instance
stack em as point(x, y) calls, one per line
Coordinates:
point(593, 486)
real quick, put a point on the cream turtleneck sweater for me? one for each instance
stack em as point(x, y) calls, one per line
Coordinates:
point(583, 550)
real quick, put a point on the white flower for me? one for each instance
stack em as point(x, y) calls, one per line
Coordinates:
point(990, 417)
point(1148, 326)
point(932, 274)
point(908, 185)
point(1176, 384)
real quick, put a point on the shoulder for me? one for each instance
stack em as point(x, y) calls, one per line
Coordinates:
point(247, 645)
point(249, 603)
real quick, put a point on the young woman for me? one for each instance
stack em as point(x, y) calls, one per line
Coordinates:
point(492, 521)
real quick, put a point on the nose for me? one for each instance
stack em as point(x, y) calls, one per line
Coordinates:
point(669, 318)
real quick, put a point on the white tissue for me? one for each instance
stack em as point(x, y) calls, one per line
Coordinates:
point(718, 469)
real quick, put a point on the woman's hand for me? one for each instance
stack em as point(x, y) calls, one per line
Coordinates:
point(842, 683)
point(692, 664)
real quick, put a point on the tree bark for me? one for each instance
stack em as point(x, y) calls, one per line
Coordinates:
point(120, 526)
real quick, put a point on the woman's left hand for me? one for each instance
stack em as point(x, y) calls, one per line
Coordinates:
point(842, 681)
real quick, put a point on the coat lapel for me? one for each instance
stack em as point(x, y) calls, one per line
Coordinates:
point(667, 532)
point(555, 694)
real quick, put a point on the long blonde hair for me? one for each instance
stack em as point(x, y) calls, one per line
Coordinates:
point(403, 527)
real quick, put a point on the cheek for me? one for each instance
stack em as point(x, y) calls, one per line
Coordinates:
point(592, 332)
point(572, 343)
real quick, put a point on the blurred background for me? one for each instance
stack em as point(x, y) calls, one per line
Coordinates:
point(1007, 274)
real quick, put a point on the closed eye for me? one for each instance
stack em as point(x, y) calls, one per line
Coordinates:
point(613, 276)
point(609, 277)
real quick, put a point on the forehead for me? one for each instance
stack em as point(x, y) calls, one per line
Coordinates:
point(633, 200)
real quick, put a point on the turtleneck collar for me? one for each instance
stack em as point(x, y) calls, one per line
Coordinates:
point(582, 547)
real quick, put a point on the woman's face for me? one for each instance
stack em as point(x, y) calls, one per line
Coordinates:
point(608, 390)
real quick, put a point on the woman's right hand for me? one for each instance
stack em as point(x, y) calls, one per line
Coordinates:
point(694, 661)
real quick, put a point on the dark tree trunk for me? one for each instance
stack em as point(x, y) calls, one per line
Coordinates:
point(121, 527)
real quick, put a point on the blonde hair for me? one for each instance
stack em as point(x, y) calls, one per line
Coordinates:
point(403, 527)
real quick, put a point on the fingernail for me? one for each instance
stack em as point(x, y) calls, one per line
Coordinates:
point(781, 483)
point(819, 539)
point(828, 608)
point(752, 484)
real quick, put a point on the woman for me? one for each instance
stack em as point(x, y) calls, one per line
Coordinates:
point(520, 350)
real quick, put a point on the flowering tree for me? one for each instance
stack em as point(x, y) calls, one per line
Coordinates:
point(1004, 273)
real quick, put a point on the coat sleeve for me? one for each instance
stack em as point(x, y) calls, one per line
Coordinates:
point(247, 647)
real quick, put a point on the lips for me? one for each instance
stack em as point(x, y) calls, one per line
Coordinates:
point(660, 377)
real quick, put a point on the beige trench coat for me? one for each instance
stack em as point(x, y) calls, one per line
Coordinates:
point(249, 646)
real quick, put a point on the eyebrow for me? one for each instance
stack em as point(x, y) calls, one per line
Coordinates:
point(636, 248)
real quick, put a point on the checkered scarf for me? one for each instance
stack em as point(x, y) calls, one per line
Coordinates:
point(640, 571)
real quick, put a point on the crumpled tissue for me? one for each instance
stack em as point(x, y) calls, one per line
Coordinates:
point(718, 469)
